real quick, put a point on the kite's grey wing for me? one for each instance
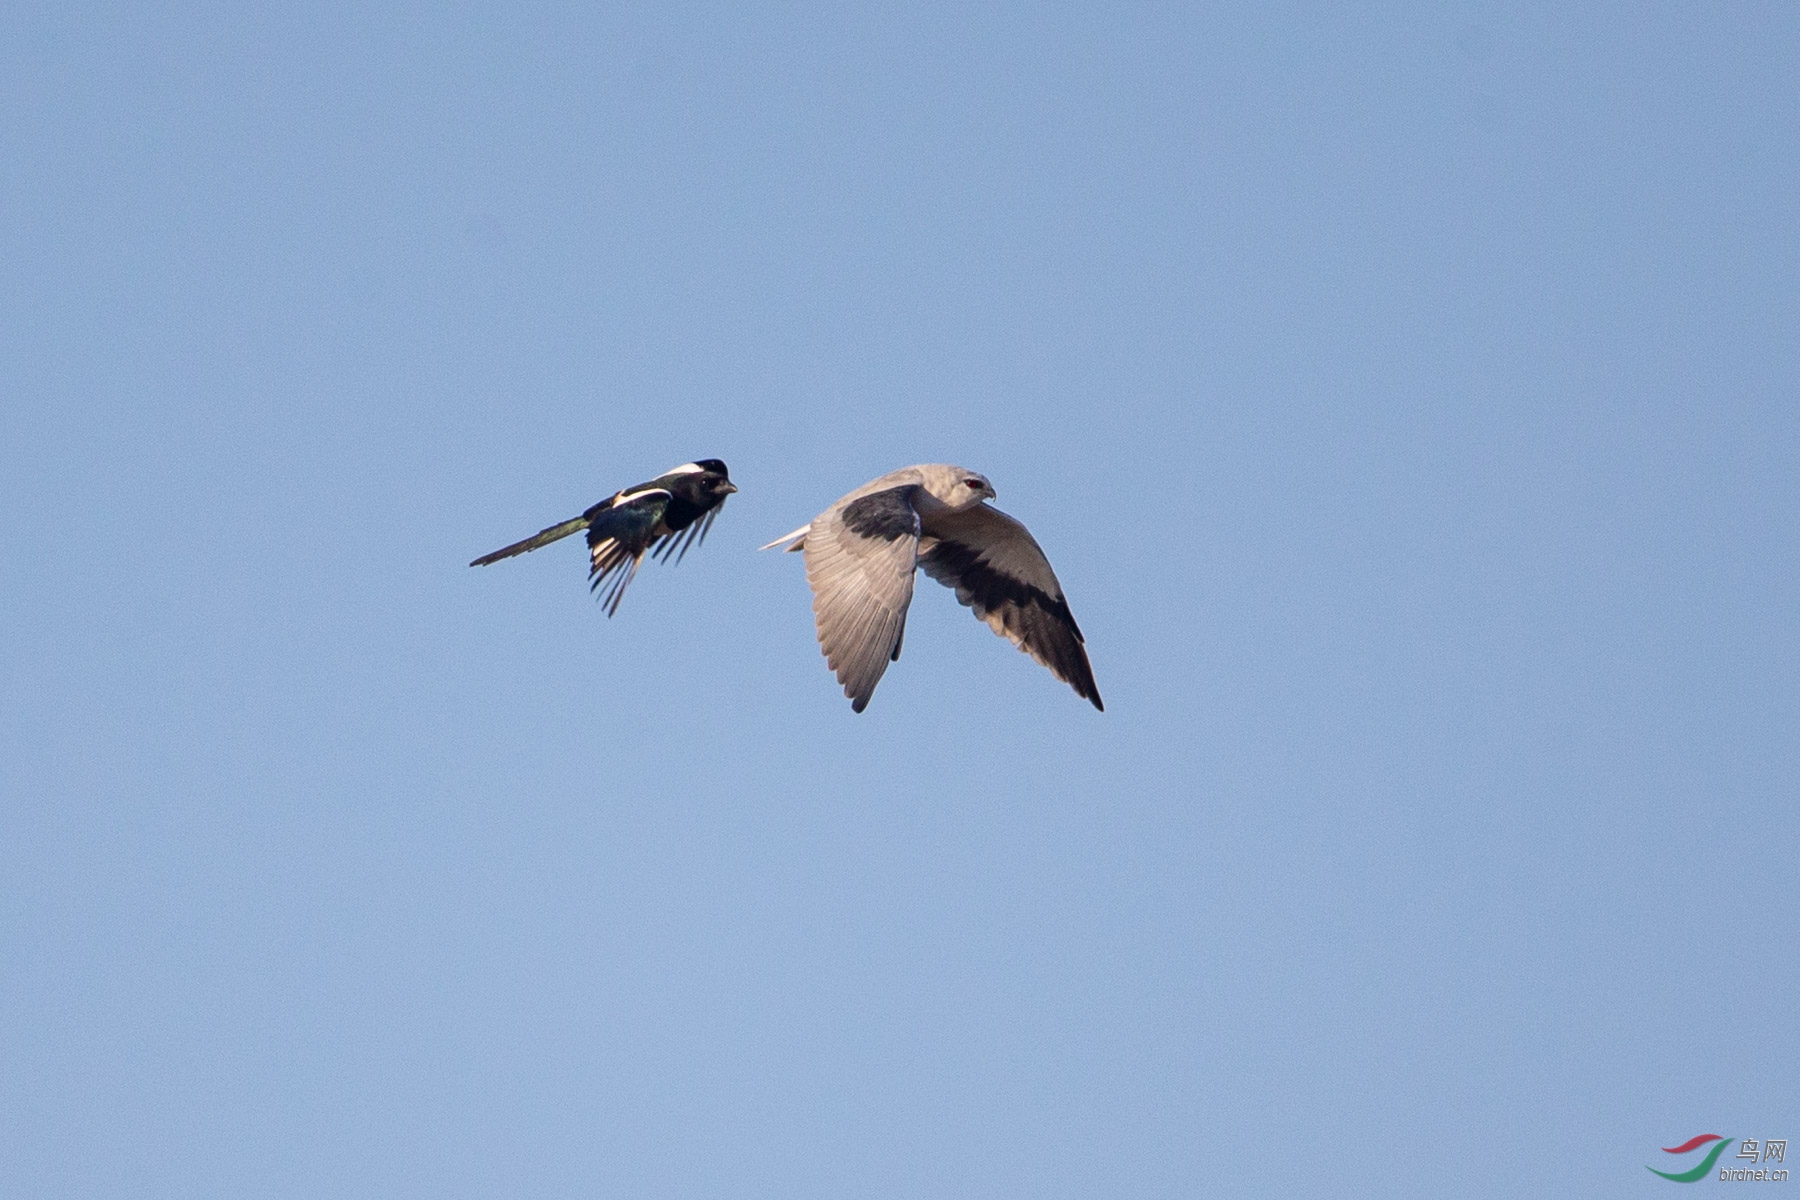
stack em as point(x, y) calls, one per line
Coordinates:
point(998, 570)
point(860, 558)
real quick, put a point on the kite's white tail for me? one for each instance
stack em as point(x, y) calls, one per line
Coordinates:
point(798, 537)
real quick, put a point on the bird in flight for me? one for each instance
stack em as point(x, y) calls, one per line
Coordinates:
point(862, 551)
point(670, 513)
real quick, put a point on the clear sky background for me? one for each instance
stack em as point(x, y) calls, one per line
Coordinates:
point(1407, 401)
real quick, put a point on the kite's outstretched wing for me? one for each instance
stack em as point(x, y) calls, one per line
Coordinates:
point(860, 557)
point(996, 568)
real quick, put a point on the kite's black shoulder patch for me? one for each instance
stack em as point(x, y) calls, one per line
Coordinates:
point(887, 515)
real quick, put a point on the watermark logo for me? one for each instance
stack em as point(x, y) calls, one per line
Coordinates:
point(1756, 1151)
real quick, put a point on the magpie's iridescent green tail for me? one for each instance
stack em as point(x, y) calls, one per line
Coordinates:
point(541, 538)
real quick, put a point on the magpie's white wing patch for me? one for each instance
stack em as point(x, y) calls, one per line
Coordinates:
point(860, 557)
point(998, 570)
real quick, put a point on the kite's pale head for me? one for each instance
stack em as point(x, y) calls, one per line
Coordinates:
point(957, 487)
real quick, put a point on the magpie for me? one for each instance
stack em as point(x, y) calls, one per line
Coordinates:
point(669, 514)
point(861, 554)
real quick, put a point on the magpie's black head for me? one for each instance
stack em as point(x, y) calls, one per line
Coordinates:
point(715, 476)
point(704, 482)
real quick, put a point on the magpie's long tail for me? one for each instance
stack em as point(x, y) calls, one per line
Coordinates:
point(542, 538)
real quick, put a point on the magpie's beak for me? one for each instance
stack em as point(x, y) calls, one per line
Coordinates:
point(727, 487)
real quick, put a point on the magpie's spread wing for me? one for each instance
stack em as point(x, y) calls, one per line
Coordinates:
point(619, 531)
point(860, 558)
point(997, 569)
point(683, 538)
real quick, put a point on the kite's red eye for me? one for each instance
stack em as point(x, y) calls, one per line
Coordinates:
point(973, 483)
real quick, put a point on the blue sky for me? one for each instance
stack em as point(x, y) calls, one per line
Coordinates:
point(1406, 400)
